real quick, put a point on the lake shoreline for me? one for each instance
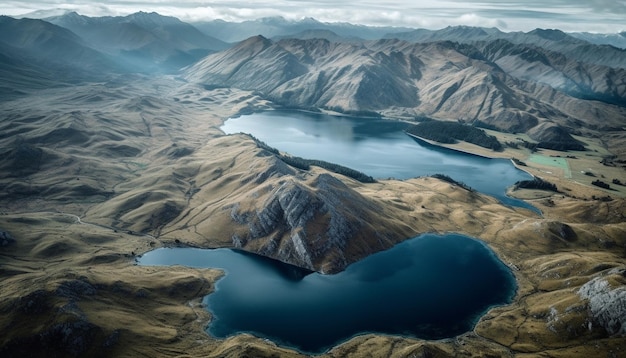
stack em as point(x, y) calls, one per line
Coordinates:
point(441, 145)
point(379, 148)
point(86, 276)
point(380, 277)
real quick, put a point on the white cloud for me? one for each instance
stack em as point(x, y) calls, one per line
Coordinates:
point(579, 15)
point(474, 20)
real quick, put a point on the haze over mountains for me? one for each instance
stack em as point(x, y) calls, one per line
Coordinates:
point(509, 81)
point(37, 54)
point(142, 41)
point(280, 27)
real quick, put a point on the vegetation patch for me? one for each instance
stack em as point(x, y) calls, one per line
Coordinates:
point(452, 181)
point(557, 162)
point(601, 184)
point(305, 164)
point(562, 146)
point(536, 183)
point(451, 132)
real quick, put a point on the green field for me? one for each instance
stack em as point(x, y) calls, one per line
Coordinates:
point(552, 162)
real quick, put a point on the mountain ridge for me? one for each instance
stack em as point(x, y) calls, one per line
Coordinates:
point(35, 54)
point(509, 81)
point(278, 26)
point(143, 41)
point(548, 39)
point(491, 83)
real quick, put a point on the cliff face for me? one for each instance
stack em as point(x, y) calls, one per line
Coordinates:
point(305, 224)
point(607, 305)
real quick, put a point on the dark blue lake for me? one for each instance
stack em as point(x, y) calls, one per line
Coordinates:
point(428, 287)
point(376, 147)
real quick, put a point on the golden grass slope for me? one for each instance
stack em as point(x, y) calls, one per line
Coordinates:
point(70, 285)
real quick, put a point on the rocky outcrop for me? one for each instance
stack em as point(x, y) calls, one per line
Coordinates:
point(66, 339)
point(607, 305)
point(75, 289)
point(305, 224)
point(67, 331)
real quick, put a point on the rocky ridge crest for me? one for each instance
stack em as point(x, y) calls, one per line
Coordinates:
point(305, 224)
point(499, 84)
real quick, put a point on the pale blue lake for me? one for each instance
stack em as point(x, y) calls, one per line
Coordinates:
point(376, 147)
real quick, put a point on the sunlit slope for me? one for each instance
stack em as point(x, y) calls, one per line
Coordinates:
point(500, 85)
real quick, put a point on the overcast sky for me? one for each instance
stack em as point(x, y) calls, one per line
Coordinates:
point(509, 15)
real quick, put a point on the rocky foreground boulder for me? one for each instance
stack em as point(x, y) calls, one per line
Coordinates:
point(607, 304)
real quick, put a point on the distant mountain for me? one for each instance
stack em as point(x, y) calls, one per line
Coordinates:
point(279, 27)
point(35, 53)
point(549, 39)
point(462, 34)
point(568, 74)
point(47, 42)
point(319, 34)
point(142, 41)
point(497, 84)
point(509, 81)
point(617, 40)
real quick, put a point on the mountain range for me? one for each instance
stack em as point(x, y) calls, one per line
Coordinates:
point(142, 41)
point(549, 39)
point(617, 40)
point(36, 54)
point(497, 84)
point(507, 81)
point(278, 26)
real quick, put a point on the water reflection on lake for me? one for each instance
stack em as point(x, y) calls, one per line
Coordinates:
point(376, 147)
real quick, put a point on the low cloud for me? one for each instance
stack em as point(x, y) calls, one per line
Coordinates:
point(572, 15)
point(479, 21)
